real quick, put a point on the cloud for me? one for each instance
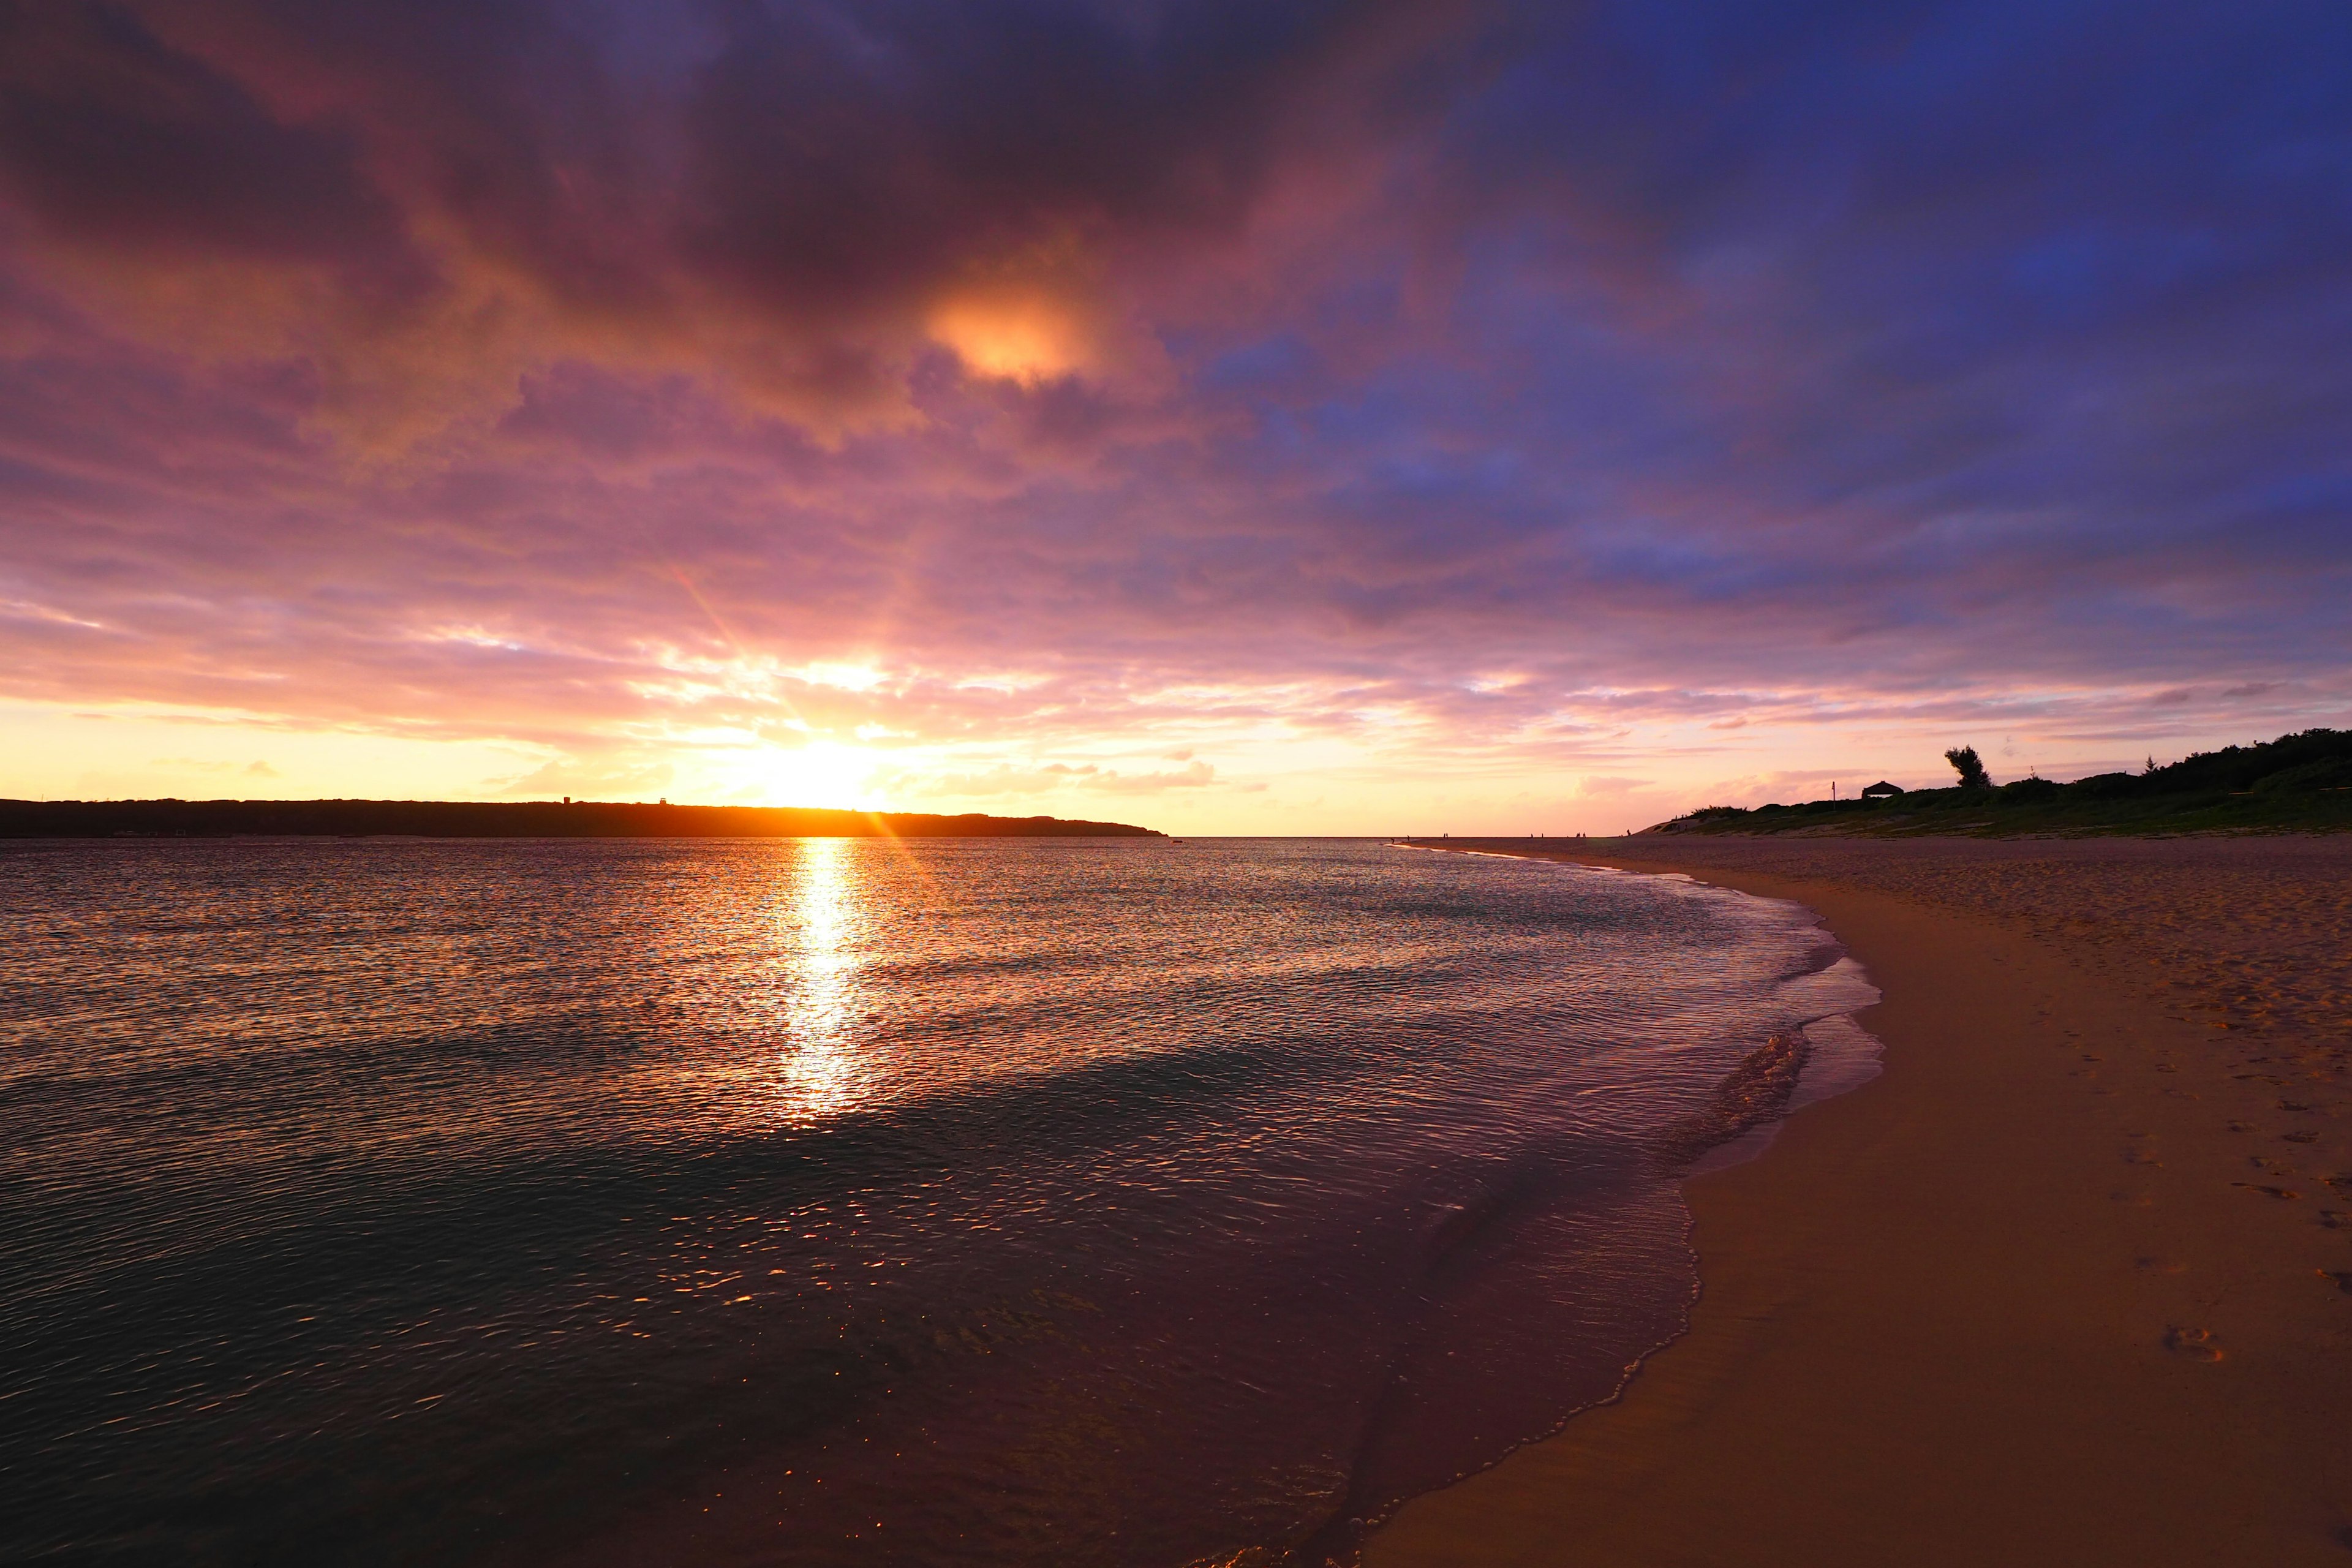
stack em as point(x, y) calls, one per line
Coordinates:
point(1195, 775)
point(1417, 390)
point(590, 778)
point(804, 204)
point(1003, 779)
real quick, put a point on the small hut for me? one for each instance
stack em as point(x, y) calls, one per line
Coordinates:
point(1882, 790)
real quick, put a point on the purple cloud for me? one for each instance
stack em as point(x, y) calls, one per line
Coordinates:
point(1418, 390)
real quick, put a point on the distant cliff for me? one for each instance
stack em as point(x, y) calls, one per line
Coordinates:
point(484, 819)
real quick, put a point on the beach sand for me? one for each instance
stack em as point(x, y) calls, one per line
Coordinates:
point(2070, 1283)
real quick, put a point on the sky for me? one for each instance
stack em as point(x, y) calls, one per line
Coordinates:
point(1230, 417)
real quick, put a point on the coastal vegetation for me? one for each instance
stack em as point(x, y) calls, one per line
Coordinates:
point(2299, 783)
point(1969, 766)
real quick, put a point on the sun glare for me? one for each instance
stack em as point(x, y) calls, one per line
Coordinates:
point(823, 773)
point(821, 1065)
point(848, 677)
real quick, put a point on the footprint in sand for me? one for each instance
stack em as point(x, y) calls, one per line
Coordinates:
point(2337, 1278)
point(2336, 1219)
point(2267, 1192)
point(2299, 1137)
point(2197, 1344)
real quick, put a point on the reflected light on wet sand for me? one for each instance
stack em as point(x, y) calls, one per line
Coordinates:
point(823, 1072)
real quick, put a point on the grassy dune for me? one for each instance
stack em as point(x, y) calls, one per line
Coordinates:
point(2296, 784)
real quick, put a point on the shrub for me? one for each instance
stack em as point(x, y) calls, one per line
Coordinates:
point(2334, 772)
point(1970, 766)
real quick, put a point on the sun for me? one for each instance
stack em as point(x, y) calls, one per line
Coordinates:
point(823, 773)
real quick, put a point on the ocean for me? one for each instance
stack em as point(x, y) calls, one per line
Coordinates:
point(838, 1201)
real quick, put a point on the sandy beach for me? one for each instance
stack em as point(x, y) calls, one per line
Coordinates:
point(2070, 1283)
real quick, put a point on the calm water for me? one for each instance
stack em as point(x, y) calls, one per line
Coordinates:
point(830, 1201)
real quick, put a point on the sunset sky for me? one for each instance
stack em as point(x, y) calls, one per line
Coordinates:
point(1226, 418)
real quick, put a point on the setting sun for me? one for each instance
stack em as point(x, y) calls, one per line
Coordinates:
point(822, 772)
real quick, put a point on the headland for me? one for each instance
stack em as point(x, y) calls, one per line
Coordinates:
point(511, 819)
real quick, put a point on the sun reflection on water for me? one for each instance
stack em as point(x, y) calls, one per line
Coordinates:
point(823, 1072)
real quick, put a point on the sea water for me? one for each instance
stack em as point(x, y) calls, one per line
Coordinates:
point(987, 1202)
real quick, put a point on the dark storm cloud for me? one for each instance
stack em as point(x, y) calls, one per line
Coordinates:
point(1870, 355)
point(754, 185)
point(120, 141)
point(838, 156)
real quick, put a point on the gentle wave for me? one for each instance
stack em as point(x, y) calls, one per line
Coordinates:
point(1113, 1203)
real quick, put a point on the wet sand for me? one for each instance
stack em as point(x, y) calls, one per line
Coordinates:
point(2070, 1283)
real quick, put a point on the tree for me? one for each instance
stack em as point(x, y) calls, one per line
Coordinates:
point(1971, 767)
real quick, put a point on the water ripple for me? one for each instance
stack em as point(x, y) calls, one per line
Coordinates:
point(1113, 1202)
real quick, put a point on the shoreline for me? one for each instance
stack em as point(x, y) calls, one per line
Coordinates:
point(2036, 1293)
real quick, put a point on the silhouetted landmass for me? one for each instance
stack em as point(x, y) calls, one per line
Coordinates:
point(485, 819)
point(2300, 783)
